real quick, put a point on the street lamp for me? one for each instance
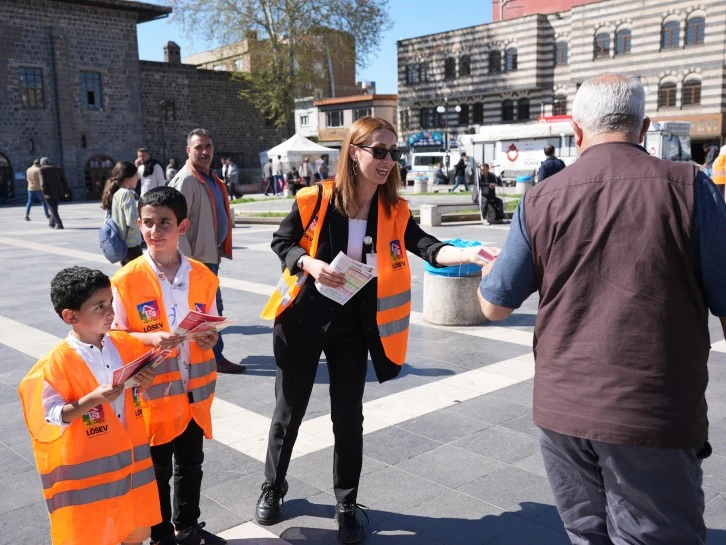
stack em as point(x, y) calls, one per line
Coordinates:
point(444, 109)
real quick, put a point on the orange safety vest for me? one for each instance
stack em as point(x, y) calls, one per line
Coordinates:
point(719, 170)
point(171, 408)
point(394, 273)
point(97, 476)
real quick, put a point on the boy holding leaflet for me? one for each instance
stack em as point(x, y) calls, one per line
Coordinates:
point(152, 294)
point(89, 438)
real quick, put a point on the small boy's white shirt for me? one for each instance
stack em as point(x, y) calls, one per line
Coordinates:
point(102, 363)
point(175, 297)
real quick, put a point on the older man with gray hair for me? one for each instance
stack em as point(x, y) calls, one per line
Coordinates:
point(625, 253)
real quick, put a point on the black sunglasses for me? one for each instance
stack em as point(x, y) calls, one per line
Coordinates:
point(380, 153)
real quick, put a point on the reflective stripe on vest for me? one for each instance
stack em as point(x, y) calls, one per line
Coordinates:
point(143, 477)
point(165, 389)
point(203, 392)
point(199, 370)
point(391, 328)
point(89, 495)
point(142, 452)
point(392, 301)
point(169, 365)
point(91, 468)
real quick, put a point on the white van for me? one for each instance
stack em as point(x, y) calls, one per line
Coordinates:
point(428, 162)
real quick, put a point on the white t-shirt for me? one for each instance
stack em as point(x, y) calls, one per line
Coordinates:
point(175, 297)
point(156, 179)
point(356, 234)
point(102, 363)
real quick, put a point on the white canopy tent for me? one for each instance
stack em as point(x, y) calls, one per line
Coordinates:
point(294, 149)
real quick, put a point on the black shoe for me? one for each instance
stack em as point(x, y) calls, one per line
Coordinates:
point(350, 530)
point(197, 535)
point(226, 366)
point(27, 218)
point(267, 511)
point(58, 226)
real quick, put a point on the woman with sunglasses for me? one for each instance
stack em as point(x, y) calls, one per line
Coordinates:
point(361, 215)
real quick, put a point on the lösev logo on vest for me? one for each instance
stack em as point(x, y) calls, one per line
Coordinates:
point(150, 314)
point(200, 307)
point(308, 234)
point(397, 260)
point(137, 402)
point(95, 421)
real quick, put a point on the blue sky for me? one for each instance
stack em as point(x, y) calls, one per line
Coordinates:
point(410, 17)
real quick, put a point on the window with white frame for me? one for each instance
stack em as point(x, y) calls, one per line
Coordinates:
point(334, 118)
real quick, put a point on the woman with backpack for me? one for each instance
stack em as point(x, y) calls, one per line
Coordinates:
point(119, 201)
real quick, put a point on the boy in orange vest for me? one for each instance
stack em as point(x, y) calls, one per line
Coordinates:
point(89, 437)
point(152, 294)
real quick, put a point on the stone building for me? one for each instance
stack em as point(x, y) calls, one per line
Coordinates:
point(519, 69)
point(336, 115)
point(325, 61)
point(74, 90)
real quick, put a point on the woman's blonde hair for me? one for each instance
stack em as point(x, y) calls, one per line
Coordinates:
point(344, 198)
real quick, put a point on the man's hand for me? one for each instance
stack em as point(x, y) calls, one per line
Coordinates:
point(104, 394)
point(145, 378)
point(164, 340)
point(324, 273)
point(206, 340)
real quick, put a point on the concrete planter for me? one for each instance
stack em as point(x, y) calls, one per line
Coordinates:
point(452, 300)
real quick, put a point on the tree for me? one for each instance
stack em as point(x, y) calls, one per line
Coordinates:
point(288, 41)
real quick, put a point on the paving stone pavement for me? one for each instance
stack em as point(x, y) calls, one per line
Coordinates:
point(451, 470)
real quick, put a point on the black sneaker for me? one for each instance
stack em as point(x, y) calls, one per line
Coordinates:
point(350, 529)
point(197, 535)
point(267, 511)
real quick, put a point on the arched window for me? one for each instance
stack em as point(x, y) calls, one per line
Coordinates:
point(695, 30)
point(559, 105)
point(561, 53)
point(478, 113)
point(510, 59)
point(523, 109)
point(7, 178)
point(602, 45)
point(507, 110)
point(691, 94)
point(450, 68)
point(425, 118)
point(464, 114)
point(670, 35)
point(465, 65)
point(495, 62)
point(622, 41)
point(667, 95)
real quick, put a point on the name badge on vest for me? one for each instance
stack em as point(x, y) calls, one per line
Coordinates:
point(150, 316)
point(372, 257)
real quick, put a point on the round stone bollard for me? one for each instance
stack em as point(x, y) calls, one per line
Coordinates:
point(452, 300)
point(420, 186)
point(524, 183)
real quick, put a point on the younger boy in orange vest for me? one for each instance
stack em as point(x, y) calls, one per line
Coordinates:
point(152, 294)
point(89, 437)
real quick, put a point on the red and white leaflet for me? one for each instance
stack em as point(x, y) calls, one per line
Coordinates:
point(486, 255)
point(125, 375)
point(197, 322)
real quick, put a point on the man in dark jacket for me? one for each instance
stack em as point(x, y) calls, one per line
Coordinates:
point(460, 173)
point(487, 186)
point(622, 331)
point(55, 188)
point(551, 165)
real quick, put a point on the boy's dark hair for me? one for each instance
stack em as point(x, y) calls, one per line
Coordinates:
point(72, 287)
point(166, 196)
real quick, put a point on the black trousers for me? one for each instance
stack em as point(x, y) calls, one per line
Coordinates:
point(183, 459)
point(270, 183)
point(53, 210)
point(298, 355)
